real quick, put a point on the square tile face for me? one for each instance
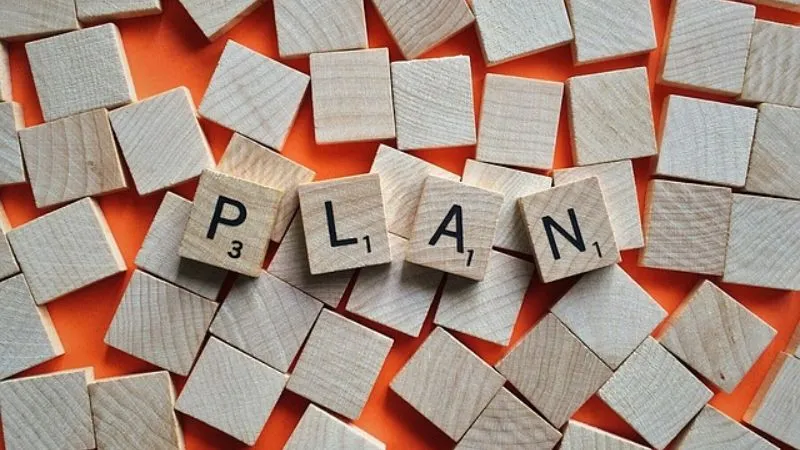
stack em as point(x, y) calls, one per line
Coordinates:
point(519, 121)
point(447, 383)
point(254, 95)
point(579, 436)
point(713, 429)
point(433, 102)
point(318, 429)
point(98, 10)
point(314, 26)
point(12, 170)
point(774, 162)
point(612, 29)
point(333, 372)
point(25, 20)
point(774, 408)
point(65, 250)
point(764, 242)
point(611, 117)
point(80, 71)
point(231, 391)
point(773, 65)
point(214, 19)
point(352, 95)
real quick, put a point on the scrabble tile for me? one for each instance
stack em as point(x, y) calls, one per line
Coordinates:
point(610, 313)
point(509, 423)
point(419, 25)
point(402, 177)
point(135, 411)
point(764, 242)
point(579, 436)
point(513, 184)
point(103, 10)
point(790, 5)
point(447, 383)
point(655, 394)
point(230, 223)
point(553, 370)
point(334, 373)
point(773, 65)
point(570, 229)
point(713, 429)
point(267, 319)
point(774, 408)
point(686, 227)
point(510, 29)
point(397, 295)
point(65, 250)
point(611, 117)
point(12, 170)
point(215, 19)
point(5, 75)
point(433, 103)
point(160, 323)
point(48, 411)
point(320, 430)
point(619, 191)
point(312, 26)
point(344, 223)
point(794, 344)
point(28, 335)
point(454, 227)
point(519, 121)
point(80, 71)
point(8, 262)
point(71, 158)
point(231, 391)
point(352, 95)
point(774, 163)
point(26, 20)
point(254, 95)
point(611, 30)
point(165, 121)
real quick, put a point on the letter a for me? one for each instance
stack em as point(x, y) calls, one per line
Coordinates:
point(577, 240)
point(217, 219)
point(454, 213)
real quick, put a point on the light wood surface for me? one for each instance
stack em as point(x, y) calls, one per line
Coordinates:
point(611, 29)
point(794, 344)
point(103, 10)
point(26, 20)
point(773, 65)
point(6, 91)
point(216, 18)
point(712, 429)
point(774, 163)
point(12, 170)
point(774, 408)
point(790, 5)
point(320, 430)
point(312, 26)
point(579, 436)
point(8, 262)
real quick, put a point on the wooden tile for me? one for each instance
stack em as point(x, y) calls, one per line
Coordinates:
point(8, 262)
point(419, 25)
point(774, 408)
point(48, 411)
point(26, 20)
point(230, 223)
point(352, 95)
point(254, 95)
point(104, 10)
point(774, 163)
point(764, 242)
point(397, 295)
point(402, 178)
point(267, 319)
point(553, 370)
point(713, 429)
point(231, 391)
point(519, 121)
point(12, 171)
point(447, 383)
point(579, 436)
point(65, 250)
point(790, 5)
point(794, 344)
point(135, 411)
point(160, 323)
point(312, 26)
point(320, 430)
point(686, 227)
point(773, 65)
point(6, 90)
point(611, 117)
point(433, 102)
point(570, 229)
point(611, 30)
point(80, 71)
point(215, 19)
point(610, 313)
point(510, 29)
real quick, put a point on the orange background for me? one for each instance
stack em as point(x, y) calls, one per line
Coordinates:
point(167, 51)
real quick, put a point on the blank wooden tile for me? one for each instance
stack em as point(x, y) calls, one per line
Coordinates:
point(794, 344)
point(764, 243)
point(774, 408)
point(774, 162)
point(312, 26)
point(102, 10)
point(773, 65)
point(352, 95)
point(48, 411)
point(553, 370)
point(611, 117)
point(231, 391)
point(447, 383)
point(26, 20)
point(65, 250)
point(267, 319)
point(8, 262)
point(135, 411)
point(686, 227)
point(712, 429)
point(160, 323)
point(611, 30)
point(579, 436)
point(6, 91)
point(433, 102)
point(254, 95)
point(215, 19)
point(320, 430)
point(80, 71)
point(514, 184)
point(12, 170)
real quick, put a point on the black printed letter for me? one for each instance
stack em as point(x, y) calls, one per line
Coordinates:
point(335, 241)
point(577, 240)
point(455, 211)
point(219, 220)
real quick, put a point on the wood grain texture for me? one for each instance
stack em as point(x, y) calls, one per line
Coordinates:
point(320, 430)
point(764, 243)
point(65, 250)
point(773, 65)
point(80, 71)
point(71, 158)
point(254, 95)
point(135, 411)
point(774, 163)
point(712, 429)
point(433, 102)
point(794, 344)
point(447, 383)
point(686, 227)
point(216, 17)
point(6, 91)
point(579, 436)
point(313, 26)
point(102, 10)
point(611, 29)
point(27, 20)
point(8, 262)
point(160, 323)
point(231, 391)
point(12, 170)
point(553, 370)
point(266, 318)
point(611, 117)
point(48, 411)
point(775, 410)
